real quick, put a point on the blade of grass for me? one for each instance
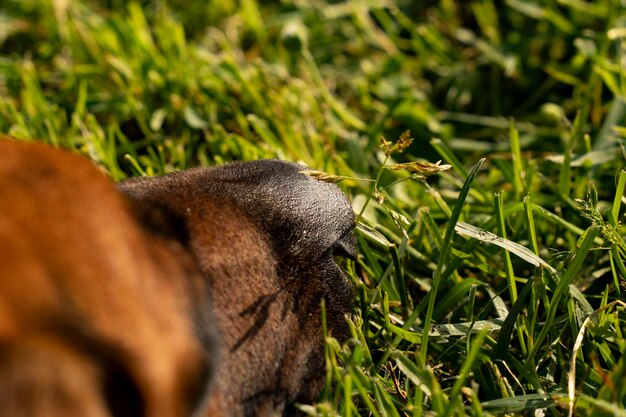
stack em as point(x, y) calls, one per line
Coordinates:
point(509, 323)
point(565, 173)
point(399, 279)
point(516, 153)
point(449, 156)
point(563, 284)
point(469, 362)
point(522, 403)
point(508, 266)
point(513, 247)
point(619, 194)
point(443, 258)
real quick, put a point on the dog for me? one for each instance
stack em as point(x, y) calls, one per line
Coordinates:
point(195, 293)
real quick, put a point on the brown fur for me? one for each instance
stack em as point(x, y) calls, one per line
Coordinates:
point(105, 303)
point(94, 311)
point(265, 235)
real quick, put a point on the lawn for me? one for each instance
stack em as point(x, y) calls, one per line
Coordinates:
point(481, 143)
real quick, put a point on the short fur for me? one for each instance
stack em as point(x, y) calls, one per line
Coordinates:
point(265, 235)
point(95, 310)
point(105, 303)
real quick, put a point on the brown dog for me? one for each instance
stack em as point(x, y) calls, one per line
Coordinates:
point(110, 306)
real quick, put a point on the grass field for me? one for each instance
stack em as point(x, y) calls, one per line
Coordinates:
point(488, 284)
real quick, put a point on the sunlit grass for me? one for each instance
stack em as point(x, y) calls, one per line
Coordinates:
point(522, 101)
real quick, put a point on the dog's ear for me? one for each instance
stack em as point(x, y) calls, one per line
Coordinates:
point(95, 308)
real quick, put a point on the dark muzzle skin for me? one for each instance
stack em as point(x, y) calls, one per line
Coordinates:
point(196, 293)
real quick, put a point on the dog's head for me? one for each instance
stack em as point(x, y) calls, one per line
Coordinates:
point(266, 235)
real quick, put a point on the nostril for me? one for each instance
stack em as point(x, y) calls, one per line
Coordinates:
point(342, 250)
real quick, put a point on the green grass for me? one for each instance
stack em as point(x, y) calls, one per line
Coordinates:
point(477, 286)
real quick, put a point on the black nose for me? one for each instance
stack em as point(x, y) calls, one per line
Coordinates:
point(345, 247)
